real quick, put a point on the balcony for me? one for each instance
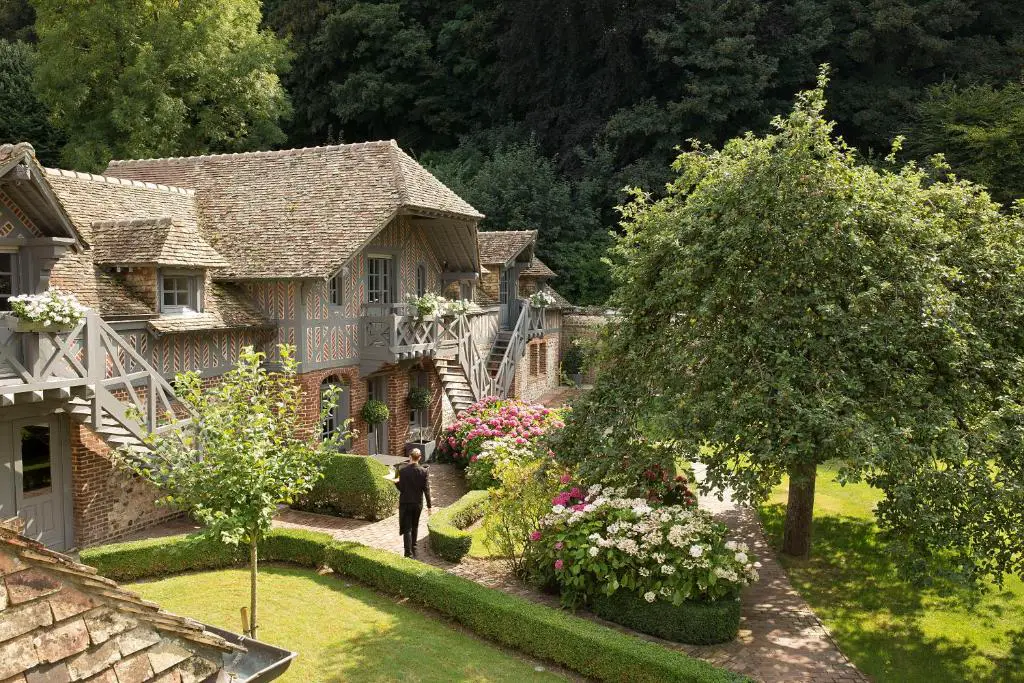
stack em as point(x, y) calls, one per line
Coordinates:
point(390, 333)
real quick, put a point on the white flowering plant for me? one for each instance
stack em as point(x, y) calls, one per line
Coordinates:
point(481, 473)
point(52, 308)
point(599, 541)
point(456, 307)
point(541, 299)
point(426, 305)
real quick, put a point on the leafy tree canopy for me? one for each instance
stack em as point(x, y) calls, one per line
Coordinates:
point(801, 306)
point(24, 117)
point(139, 79)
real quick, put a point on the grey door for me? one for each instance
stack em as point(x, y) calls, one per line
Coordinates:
point(38, 469)
point(378, 433)
point(505, 297)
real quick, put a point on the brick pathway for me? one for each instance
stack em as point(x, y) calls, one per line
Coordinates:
point(780, 640)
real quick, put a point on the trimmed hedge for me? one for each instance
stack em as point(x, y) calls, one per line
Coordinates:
point(578, 644)
point(694, 623)
point(448, 538)
point(352, 486)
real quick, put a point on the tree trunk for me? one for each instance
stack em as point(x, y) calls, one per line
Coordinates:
point(253, 560)
point(796, 539)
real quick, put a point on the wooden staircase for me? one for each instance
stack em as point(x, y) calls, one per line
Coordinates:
point(95, 376)
point(494, 358)
point(455, 384)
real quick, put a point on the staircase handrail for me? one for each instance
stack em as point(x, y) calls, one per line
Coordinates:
point(506, 373)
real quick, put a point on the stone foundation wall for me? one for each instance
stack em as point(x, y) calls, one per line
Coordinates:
point(533, 378)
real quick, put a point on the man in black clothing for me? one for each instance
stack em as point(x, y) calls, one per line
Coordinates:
point(413, 485)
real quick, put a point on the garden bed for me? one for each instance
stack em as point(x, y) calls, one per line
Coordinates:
point(577, 644)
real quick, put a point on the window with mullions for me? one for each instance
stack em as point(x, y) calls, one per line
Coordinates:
point(335, 421)
point(6, 280)
point(336, 290)
point(421, 280)
point(379, 280)
point(179, 293)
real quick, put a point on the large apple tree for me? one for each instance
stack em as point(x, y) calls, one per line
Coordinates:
point(788, 304)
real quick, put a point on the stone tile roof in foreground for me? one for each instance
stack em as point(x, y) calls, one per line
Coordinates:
point(539, 269)
point(299, 213)
point(61, 621)
point(153, 241)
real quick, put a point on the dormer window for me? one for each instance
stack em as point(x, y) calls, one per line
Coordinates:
point(180, 293)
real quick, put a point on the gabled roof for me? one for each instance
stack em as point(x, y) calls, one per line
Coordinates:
point(300, 213)
point(152, 242)
point(539, 269)
point(61, 621)
point(33, 194)
point(502, 246)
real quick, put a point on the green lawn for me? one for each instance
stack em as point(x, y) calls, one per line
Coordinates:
point(341, 632)
point(890, 629)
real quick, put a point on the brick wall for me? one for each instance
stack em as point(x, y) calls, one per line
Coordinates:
point(534, 378)
point(490, 282)
point(108, 501)
point(311, 382)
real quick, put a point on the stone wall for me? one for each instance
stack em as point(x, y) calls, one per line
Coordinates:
point(537, 371)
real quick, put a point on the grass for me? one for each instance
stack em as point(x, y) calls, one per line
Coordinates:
point(891, 629)
point(342, 632)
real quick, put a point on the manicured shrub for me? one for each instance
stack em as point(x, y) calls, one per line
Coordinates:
point(536, 630)
point(692, 622)
point(600, 542)
point(352, 486)
point(158, 556)
point(448, 538)
point(375, 412)
point(586, 647)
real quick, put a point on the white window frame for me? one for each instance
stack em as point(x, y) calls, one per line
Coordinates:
point(193, 292)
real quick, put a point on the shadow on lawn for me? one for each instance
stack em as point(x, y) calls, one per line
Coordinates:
point(852, 582)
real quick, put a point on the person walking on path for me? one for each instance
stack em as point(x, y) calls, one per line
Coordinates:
point(413, 486)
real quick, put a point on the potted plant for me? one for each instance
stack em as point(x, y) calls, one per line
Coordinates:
point(51, 311)
point(572, 362)
point(426, 306)
point(420, 437)
point(541, 299)
point(375, 412)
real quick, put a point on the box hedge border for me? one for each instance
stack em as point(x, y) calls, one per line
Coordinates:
point(692, 622)
point(578, 644)
point(447, 527)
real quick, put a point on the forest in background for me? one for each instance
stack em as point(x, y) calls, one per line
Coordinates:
point(539, 112)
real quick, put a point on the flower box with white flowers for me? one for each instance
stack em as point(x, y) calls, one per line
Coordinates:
point(51, 311)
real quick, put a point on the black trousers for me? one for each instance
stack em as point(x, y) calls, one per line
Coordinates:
point(409, 526)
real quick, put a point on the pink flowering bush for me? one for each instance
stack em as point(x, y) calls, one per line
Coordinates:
point(481, 473)
point(599, 541)
point(492, 418)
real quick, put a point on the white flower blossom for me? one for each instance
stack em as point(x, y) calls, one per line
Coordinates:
point(649, 596)
point(696, 551)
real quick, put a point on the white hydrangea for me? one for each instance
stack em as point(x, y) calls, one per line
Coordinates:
point(696, 550)
point(649, 596)
point(593, 551)
point(52, 308)
point(741, 558)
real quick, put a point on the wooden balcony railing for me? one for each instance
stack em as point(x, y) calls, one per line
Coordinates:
point(391, 332)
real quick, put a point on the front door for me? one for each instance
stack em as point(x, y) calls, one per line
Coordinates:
point(506, 295)
point(36, 473)
point(378, 433)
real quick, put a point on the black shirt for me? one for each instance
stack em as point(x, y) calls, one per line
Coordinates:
point(413, 485)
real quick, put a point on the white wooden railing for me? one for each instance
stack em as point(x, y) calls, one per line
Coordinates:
point(89, 360)
point(391, 332)
point(473, 362)
point(529, 325)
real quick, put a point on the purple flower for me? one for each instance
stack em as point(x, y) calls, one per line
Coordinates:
point(535, 536)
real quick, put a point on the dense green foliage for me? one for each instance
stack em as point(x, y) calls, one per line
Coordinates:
point(447, 527)
point(696, 623)
point(132, 78)
point(352, 486)
point(578, 644)
point(539, 111)
point(802, 306)
point(23, 117)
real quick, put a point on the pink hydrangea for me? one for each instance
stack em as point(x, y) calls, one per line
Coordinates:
point(559, 564)
point(535, 536)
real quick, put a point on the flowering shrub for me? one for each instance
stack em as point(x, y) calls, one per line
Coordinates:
point(491, 418)
point(456, 307)
point(481, 473)
point(599, 541)
point(541, 299)
point(51, 308)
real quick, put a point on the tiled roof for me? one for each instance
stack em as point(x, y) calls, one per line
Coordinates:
point(104, 292)
point(18, 150)
point(504, 245)
point(560, 301)
point(538, 268)
point(61, 621)
point(299, 213)
point(152, 241)
point(226, 308)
